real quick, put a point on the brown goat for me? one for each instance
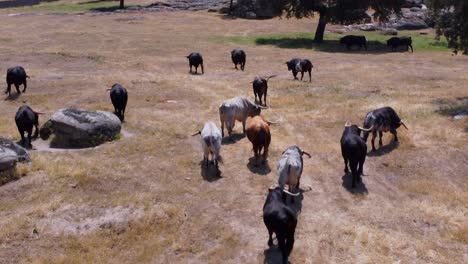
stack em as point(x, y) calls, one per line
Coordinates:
point(258, 133)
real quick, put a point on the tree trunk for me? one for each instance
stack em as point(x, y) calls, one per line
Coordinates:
point(320, 28)
point(121, 4)
point(230, 7)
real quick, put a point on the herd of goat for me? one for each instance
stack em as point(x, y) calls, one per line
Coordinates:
point(278, 214)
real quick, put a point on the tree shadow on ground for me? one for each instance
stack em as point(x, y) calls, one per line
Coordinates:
point(96, 1)
point(107, 9)
point(333, 46)
point(273, 254)
point(258, 167)
point(232, 139)
point(209, 173)
point(360, 186)
point(385, 149)
point(20, 3)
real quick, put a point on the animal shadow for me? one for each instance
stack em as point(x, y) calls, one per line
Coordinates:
point(385, 149)
point(273, 254)
point(195, 73)
point(258, 167)
point(209, 173)
point(360, 186)
point(232, 139)
point(13, 96)
point(25, 145)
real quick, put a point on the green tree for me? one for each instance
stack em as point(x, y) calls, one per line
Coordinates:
point(451, 20)
point(338, 11)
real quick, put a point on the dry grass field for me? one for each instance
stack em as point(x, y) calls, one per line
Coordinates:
point(145, 199)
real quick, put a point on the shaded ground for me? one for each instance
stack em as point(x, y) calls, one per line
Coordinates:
point(18, 3)
point(146, 199)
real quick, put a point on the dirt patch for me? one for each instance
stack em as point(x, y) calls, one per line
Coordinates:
point(69, 219)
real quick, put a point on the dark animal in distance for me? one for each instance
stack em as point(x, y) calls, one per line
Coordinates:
point(300, 65)
point(195, 60)
point(281, 220)
point(290, 168)
point(26, 119)
point(258, 133)
point(382, 120)
point(237, 108)
point(353, 40)
point(260, 88)
point(238, 57)
point(400, 41)
point(16, 76)
point(354, 151)
point(119, 97)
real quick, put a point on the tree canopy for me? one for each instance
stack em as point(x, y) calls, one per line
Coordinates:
point(451, 20)
point(338, 11)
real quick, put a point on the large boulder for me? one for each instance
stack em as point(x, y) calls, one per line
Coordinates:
point(411, 25)
point(21, 153)
point(413, 3)
point(8, 159)
point(261, 8)
point(74, 128)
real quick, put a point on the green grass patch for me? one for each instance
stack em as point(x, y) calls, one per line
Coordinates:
point(376, 41)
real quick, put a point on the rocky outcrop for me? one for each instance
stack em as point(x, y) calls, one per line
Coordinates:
point(8, 159)
point(74, 128)
point(21, 153)
point(192, 5)
point(255, 9)
point(414, 18)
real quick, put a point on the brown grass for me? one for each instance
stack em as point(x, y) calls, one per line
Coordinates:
point(135, 190)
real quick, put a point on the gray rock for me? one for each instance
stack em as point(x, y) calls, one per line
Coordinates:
point(368, 27)
point(250, 15)
point(460, 115)
point(411, 25)
point(389, 31)
point(413, 3)
point(8, 159)
point(21, 153)
point(80, 129)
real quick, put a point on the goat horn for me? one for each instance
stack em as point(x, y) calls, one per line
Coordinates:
point(292, 194)
point(269, 77)
point(401, 122)
point(198, 133)
point(40, 113)
point(303, 152)
point(262, 107)
point(366, 129)
point(347, 124)
point(108, 89)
